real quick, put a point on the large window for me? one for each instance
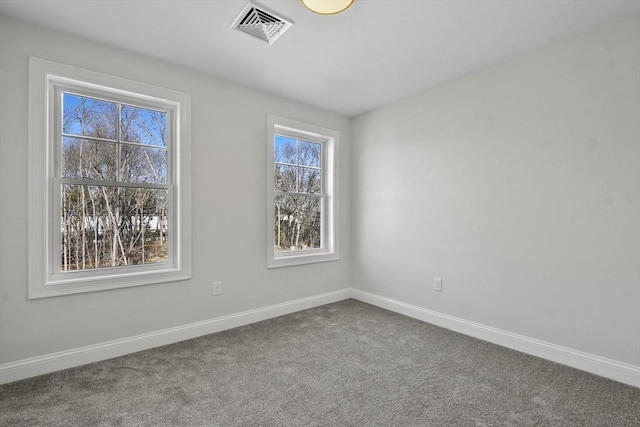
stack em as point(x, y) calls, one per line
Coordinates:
point(302, 193)
point(109, 181)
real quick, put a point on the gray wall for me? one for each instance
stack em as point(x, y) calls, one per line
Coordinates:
point(229, 132)
point(519, 185)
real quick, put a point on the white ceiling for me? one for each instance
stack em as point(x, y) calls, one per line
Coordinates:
point(376, 52)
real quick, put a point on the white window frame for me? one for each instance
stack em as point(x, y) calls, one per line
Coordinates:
point(46, 81)
point(330, 224)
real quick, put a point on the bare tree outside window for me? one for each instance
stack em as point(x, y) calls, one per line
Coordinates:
point(114, 191)
point(298, 194)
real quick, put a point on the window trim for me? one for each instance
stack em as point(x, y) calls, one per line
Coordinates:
point(45, 78)
point(330, 219)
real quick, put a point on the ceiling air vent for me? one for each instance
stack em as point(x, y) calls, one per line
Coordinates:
point(262, 23)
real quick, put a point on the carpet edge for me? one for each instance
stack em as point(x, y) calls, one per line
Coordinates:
point(39, 365)
point(597, 365)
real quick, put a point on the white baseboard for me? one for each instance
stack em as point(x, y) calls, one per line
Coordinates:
point(618, 371)
point(27, 368)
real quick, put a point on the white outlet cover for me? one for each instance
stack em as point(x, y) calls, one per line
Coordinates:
point(217, 288)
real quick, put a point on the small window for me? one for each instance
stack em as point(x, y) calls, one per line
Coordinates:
point(302, 220)
point(109, 192)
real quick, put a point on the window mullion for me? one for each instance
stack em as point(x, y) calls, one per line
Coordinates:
point(289, 193)
point(87, 137)
point(96, 182)
point(119, 145)
point(297, 165)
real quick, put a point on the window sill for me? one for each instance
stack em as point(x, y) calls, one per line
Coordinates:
point(298, 258)
point(78, 285)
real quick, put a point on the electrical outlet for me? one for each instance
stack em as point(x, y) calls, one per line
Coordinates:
point(217, 288)
point(437, 284)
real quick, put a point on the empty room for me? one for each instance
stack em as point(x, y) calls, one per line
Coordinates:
point(320, 212)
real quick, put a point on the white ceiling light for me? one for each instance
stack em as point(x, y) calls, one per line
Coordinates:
point(327, 7)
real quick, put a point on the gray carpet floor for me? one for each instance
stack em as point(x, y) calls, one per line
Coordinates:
point(342, 364)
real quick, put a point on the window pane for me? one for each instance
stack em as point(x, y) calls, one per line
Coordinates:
point(297, 223)
point(87, 159)
point(112, 226)
point(286, 150)
point(286, 178)
point(84, 116)
point(310, 180)
point(310, 153)
point(143, 164)
point(143, 126)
